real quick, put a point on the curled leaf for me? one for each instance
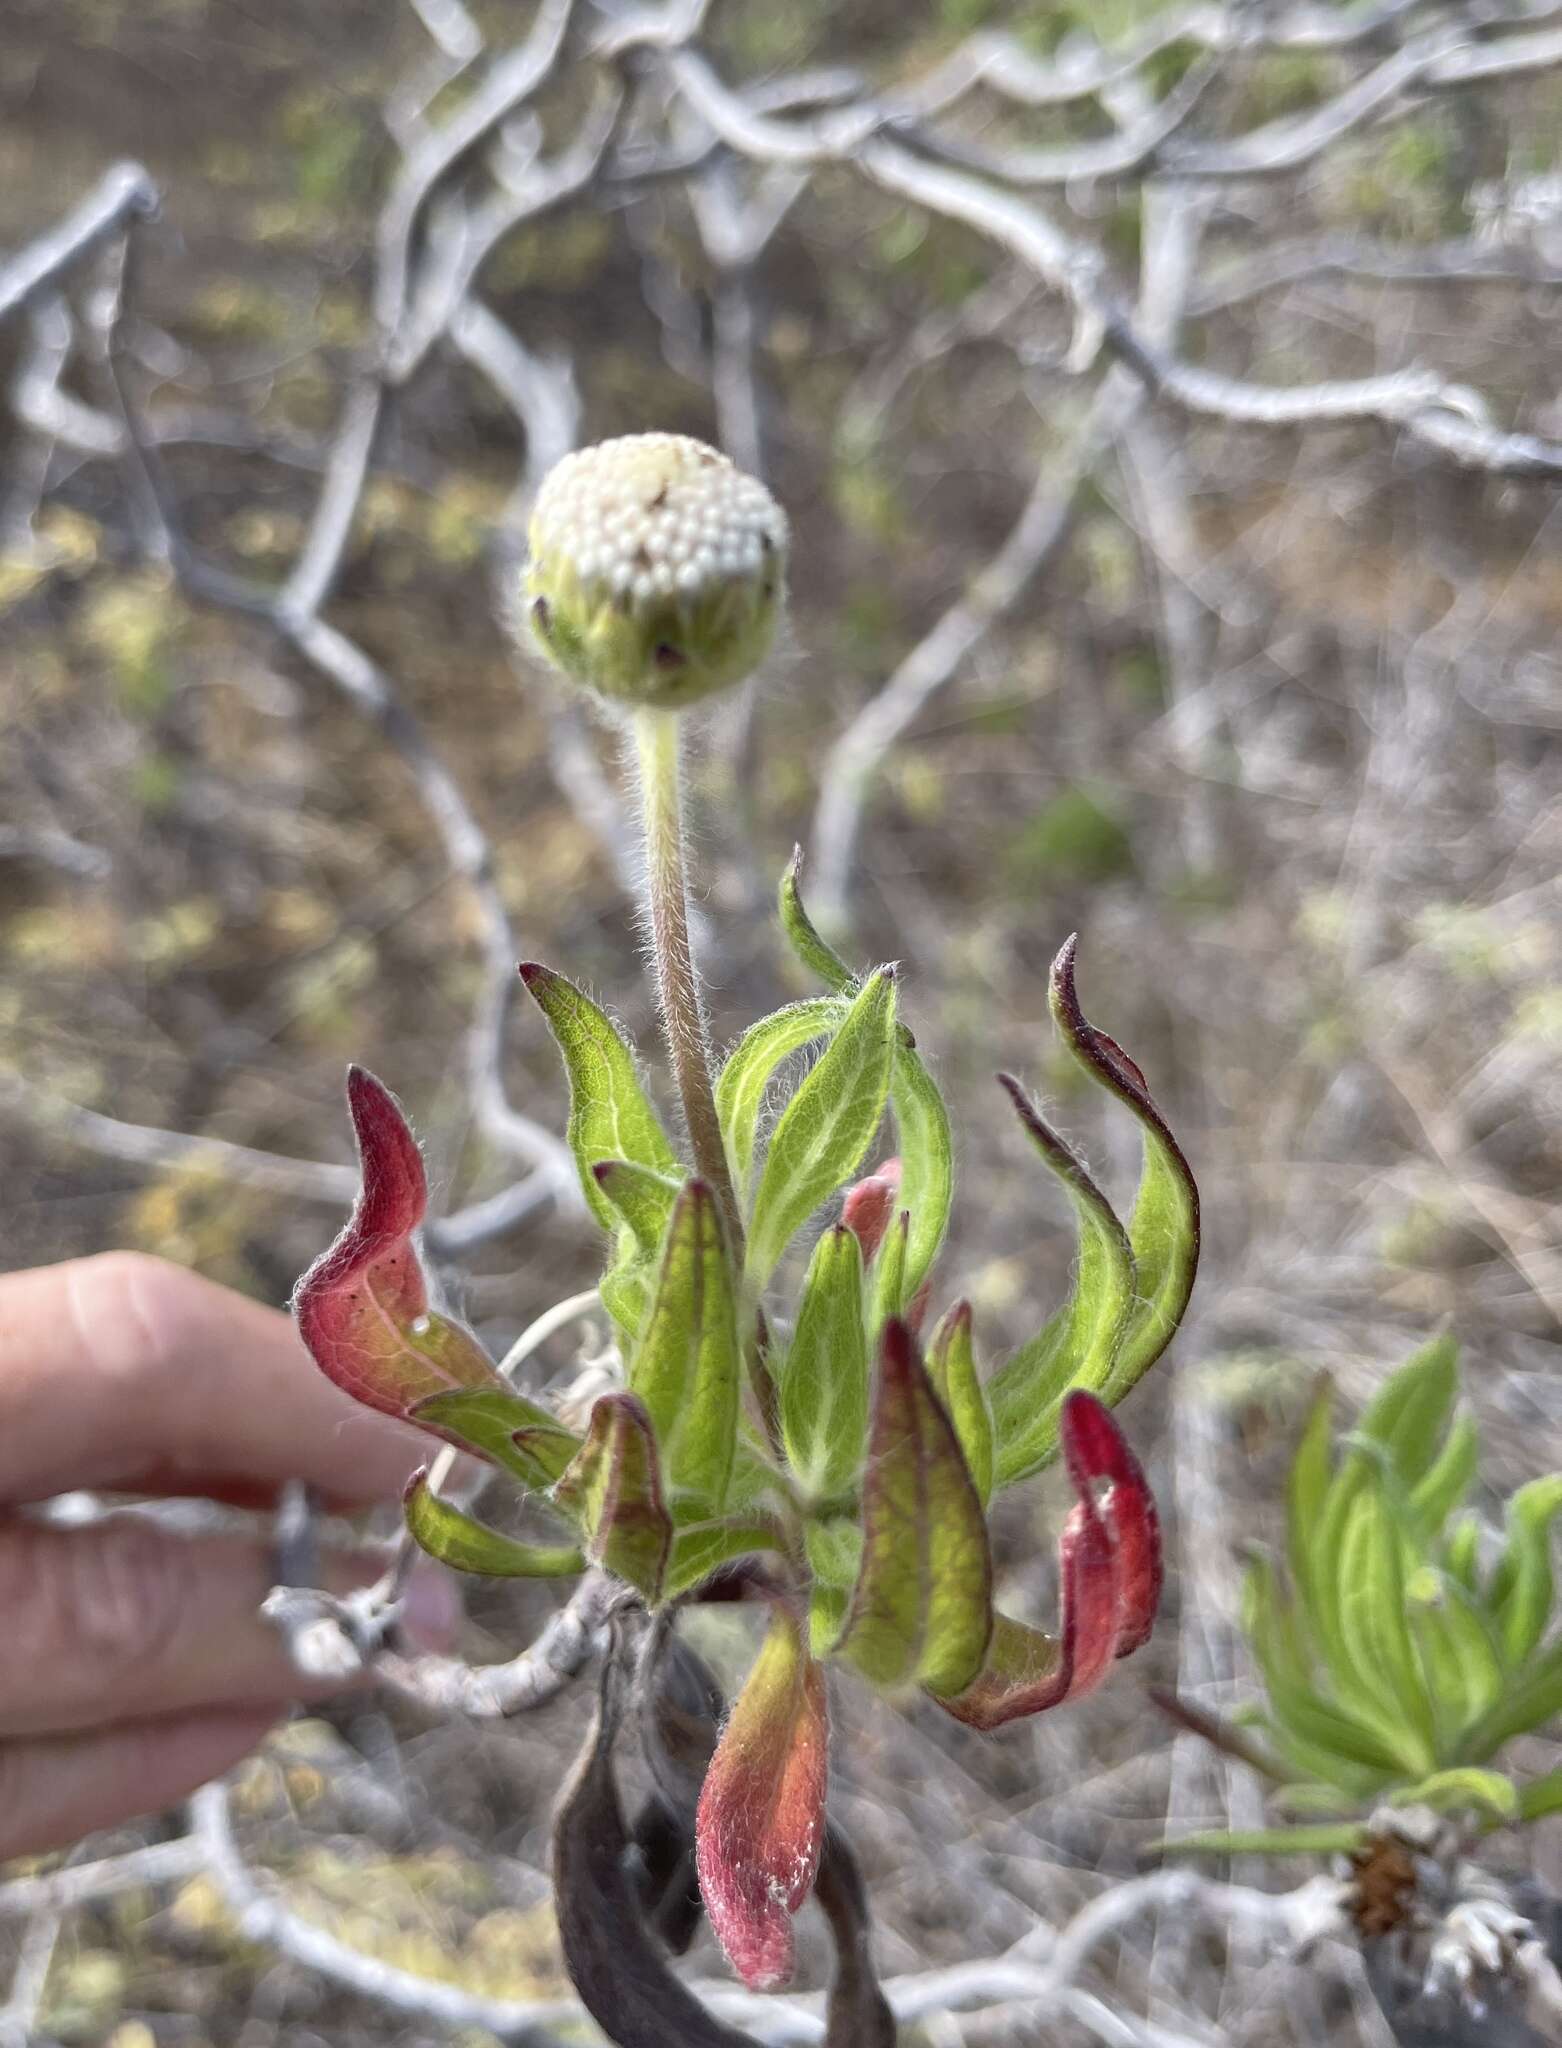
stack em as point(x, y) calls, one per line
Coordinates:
point(815, 953)
point(1081, 1344)
point(363, 1307)
point(1109, 1574)
point(921, 1609)
point(502, 1426)
point(1164, 1226)
point(441, 1529)
point(760, 1826)
point(613, 1492)
point(1098, 1457)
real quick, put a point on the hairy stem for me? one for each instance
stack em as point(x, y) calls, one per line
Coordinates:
point(678, 984)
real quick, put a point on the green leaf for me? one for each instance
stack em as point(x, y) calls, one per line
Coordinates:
point(625, 1287)
point(951, 1366)
point(821, 959)
point(1323, 1738)
point(643, 1199)
point(1531, 1698)
point(610, 1115)
point(1373, 1623)
point(1454, 1791)
point(1445, 1482)
point(1521, 1589)
point(921, 1119)
point(1541, 1796)
point(1410, 1412)
point(1164, 1227)
point(827, 1126)
point(1458, 1653)
point(1303, 1797)
point(1359, 1687)
point(613, 1493)
point(921, 1610)
point(834, 1544)
point(1307, 1488)
point(701, 1548)
point(927, 1161)
point(835, 1558)
point(1335, 1779)
point(1462, 1552)
point(887, 1275)
point(745, 1078)
point(503, 1427)
point(1080, 1345)
point(824, 1383)
point(687, 1368)
point(455, 1539)
point(1327, 1839)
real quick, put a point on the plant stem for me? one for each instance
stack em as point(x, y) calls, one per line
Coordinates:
point(657, 737)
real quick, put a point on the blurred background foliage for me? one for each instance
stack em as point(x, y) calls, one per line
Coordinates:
point(1291, 762)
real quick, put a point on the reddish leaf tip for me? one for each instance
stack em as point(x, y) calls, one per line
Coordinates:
point(1093, 1445)
point(760, 1826)
point(898, 1348)
point(866, 1210)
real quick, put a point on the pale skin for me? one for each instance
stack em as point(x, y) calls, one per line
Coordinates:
point(134, 1664)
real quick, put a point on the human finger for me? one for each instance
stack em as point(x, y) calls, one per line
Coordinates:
point(126, 1373)
point(122, 1619)
point(56, 1788)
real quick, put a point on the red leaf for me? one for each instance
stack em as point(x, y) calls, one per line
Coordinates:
point(1109, 1570)
point(362, 1307)
point(1097, 1449)
point(868, 1206)
point(760, 1824)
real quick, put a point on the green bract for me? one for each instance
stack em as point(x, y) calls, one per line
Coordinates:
point(1395, 1666)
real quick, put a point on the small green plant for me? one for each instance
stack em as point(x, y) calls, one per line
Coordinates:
point(782, 1432)
point(1406, 1645)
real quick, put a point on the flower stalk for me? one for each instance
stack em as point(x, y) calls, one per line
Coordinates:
point(658, 743)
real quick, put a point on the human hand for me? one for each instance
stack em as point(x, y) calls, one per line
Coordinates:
point(135, 1664)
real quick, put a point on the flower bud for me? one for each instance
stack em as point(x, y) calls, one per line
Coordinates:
point(656, 570)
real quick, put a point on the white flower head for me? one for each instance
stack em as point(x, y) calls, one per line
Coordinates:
point(656, 570)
